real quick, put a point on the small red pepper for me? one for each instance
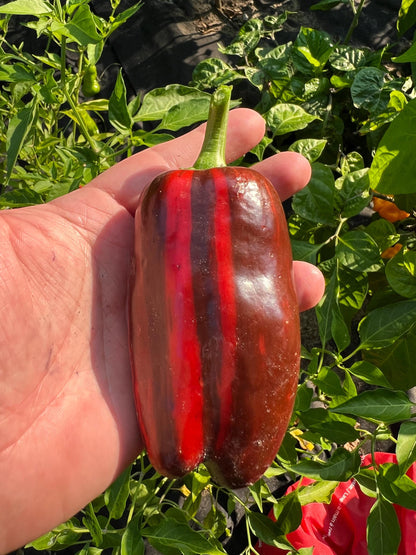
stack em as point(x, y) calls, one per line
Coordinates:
point(214, 322)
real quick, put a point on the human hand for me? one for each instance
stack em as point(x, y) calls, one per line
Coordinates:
point(67, 419)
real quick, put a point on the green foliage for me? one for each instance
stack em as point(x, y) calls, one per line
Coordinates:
point(53, 137)
point(351, 112)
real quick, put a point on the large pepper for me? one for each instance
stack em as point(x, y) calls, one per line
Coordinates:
point(214, 323)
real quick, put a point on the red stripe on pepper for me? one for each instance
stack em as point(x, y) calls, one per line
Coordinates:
point(184, 356)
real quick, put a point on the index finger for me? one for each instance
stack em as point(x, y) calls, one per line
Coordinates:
point(289, 172)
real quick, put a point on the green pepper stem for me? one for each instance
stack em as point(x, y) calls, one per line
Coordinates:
point(212, 153)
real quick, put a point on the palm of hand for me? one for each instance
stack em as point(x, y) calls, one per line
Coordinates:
point(67, 398)
point(67, 418)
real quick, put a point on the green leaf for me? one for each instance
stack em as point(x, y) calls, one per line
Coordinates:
point(213, 72)
point(215, 522)
point(378, 405)
point(274, 66)
point(172, 534)
point(406, 446)
point(197, 481)
point(185, 114)
point(383, 232)
point(353, 192)
point(286, 118)
point(94, 51)
point(401, 273)
point(143, 138)
point(358, 251)
point(159, 101)
point(342, 81)
point(287, 450)
point(339, 432)
point(118, 112)
point(81, 28)
point(288, 513)
point(301, 250)
point(124, 16)
point(405, 202)
point(117, 494)
point(383, 529)
point(396, 103)
point(328, 381)
point(90, 521)
point(366, 478)
point(408, 56)
point(341, 466)
point(317, 492)
point(96, 105)
point(311, 50)
point(17, 198)
point(367, 89)
point(382, 326)
point(132, 542)
point(257, 490)
point(352, 162)
point(395, 155)
point(61, 536)
point(349, 390)
point(395, 487)
point(333, 427)
point(311, 149)
point(16, 73)
point(264, 528)
point(261, 147)
point(330, 319)
point(315, 202)
point(369, 373)
point(19, 128)
point(353, 288)
point(397, 361)
point(407, 16)
point(275, 22)
point(247, 39)
point(26, 7)
point(348, 59)
point(88, 550)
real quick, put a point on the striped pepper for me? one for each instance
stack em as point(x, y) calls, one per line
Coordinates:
point(214, 323)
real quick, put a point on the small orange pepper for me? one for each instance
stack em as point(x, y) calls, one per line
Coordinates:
point(391, 251)
point(388, 210)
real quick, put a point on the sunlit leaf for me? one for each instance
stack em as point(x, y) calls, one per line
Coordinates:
point(383, 529)
point(382, 326)
point(379, 405)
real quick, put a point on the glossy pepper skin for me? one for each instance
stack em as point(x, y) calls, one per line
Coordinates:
point(90, 84)
point(214, 323)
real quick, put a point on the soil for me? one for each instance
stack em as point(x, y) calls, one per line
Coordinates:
point(166, 39)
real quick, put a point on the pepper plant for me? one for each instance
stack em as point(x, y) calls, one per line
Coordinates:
point(57, 132)
point(352, 112)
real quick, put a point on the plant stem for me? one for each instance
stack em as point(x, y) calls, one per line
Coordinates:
point(354, 22)
point(70, 100)
point(212, 154)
